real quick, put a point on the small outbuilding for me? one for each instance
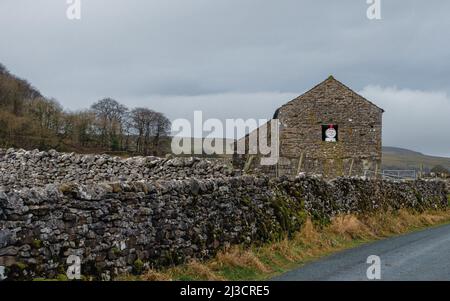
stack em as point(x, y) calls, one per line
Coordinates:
point(329, 130)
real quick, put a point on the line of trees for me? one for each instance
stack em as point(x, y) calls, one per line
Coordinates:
point(29, 120)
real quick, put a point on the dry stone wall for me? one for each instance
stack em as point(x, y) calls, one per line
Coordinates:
point(125, 227)
point(21, 168)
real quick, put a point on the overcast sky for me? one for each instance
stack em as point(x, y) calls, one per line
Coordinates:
point(239, 58)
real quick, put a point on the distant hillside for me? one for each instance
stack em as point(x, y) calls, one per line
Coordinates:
point(28, 120)
point(400, 158)
point(15, 93)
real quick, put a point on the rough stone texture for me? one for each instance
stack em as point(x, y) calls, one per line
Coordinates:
point(126, 226)
point(301, 147)
point(21, 168)
point(123, 215)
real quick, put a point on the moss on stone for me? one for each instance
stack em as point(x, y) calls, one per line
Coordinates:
point(37, 244)
point(62, 277)
point(138, 266)
point(61, 269)
point(289, 211)
point(20, 265)
point(116, 251)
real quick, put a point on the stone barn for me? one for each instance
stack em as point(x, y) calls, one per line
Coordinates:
point(329, 130)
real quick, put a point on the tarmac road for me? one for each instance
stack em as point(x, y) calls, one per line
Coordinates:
point(419, 256)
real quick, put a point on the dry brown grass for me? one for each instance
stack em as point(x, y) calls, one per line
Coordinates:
point(202, 271)
point(351, 226)
point(152, 275)
point(238, 263)
point(238, 257)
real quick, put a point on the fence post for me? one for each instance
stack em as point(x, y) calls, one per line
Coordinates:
point(300, 163)
point(351, 167)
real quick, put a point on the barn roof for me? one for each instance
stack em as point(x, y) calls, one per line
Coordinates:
point(330, 78)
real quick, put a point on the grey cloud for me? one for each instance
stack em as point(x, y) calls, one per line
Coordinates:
point(149, 52)
point(414, 119)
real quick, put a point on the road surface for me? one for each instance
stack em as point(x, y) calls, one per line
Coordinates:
point(423, 255)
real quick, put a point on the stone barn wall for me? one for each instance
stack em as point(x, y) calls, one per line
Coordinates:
point(301, 147)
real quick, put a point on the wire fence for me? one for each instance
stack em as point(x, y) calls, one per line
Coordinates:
point(392, 174)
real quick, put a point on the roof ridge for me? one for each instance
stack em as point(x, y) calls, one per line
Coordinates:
point(347, 87)
point(329, 78)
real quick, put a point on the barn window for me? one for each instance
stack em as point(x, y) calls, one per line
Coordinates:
point(330, 133)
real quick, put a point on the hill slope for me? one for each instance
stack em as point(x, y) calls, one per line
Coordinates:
point(15, 92)
point(400, 158)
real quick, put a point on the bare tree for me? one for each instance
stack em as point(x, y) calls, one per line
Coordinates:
point(162, 130)
point(110, 117)
point(150, 127)
point(79, 128)
point(47, 113)
point(142, 122)
point(29, 120)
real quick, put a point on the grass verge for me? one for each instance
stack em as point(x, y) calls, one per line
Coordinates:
point(312, 242)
